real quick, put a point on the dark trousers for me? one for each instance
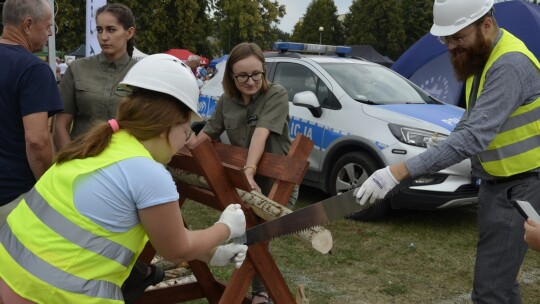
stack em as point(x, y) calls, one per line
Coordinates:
point(131, 289)
point(500, 249)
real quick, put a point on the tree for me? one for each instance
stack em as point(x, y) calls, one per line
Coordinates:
point(254, 21)
point(320, 13)
point(161, 25)
point(70, 24)
point(166, 24)
point(281, 35)
point(378, 23)
point(417, 19)
point(295, 35)
point(205, 25)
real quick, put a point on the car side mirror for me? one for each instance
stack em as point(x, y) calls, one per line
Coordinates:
point(308, 100)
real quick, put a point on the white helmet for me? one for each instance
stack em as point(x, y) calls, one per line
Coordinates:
point(166, 74)
point(451, 16)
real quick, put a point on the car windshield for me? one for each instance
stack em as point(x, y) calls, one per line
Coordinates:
point(373, 84)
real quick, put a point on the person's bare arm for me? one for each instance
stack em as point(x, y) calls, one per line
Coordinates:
point(399, 171)
point(165, 229)
point(255, 152)
point(38, 142)
point(62, 126)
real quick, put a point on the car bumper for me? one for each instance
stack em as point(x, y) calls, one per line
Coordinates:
point(409, 198)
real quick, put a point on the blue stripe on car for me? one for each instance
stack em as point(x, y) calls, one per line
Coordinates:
point(444, 115)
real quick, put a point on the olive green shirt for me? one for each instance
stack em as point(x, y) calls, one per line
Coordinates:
point(268, 110)
point(88, 90)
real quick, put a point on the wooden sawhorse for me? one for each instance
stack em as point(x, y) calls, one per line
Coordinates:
point(221, 165)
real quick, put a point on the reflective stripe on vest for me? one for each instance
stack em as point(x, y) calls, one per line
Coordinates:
point(54, 276)
point(510, 150)
point(515, 147)
point(87, 263)
point(74, 233)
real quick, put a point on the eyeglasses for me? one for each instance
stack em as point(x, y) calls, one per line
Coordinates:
point(188, 133)
point(455, 40)
point(244, 78)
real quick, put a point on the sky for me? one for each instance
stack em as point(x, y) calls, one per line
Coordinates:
point(295, 9)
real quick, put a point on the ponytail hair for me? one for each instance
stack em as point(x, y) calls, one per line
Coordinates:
point(130, 46)
point(144, 114)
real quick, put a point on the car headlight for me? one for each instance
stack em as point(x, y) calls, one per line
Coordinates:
point(430, 179)
point(413, 136)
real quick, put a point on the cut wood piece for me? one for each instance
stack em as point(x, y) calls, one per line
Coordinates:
point(319, 237)
point(301, 295)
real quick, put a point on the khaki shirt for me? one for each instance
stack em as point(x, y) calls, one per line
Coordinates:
point(268, 110)
point(88, 90)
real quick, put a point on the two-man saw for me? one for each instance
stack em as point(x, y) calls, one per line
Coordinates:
point(335, 207)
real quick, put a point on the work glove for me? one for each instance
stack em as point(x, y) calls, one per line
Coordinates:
point(233, 217)
point(376, 186)
point(229, 254)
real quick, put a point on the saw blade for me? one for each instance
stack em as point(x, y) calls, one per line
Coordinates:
point(336, 207)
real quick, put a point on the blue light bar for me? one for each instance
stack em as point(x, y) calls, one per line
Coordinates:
point(311, 48)
point(288, 46)
point(343, 50)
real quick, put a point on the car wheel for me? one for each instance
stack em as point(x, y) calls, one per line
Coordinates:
point(351, 171)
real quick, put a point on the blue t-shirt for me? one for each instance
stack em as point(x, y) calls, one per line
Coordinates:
point(27, 86)
point(112, 196)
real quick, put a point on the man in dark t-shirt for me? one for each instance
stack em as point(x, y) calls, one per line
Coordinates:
point(28, 97)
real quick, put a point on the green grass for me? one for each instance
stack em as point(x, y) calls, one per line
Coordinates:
point(410, 256)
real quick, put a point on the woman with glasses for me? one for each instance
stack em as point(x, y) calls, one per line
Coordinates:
point(75, 237)
point(88, 85)
point(254, 113)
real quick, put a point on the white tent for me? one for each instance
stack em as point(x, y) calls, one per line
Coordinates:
point(137, 54)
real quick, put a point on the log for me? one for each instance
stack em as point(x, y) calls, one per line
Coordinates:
point(318, 237)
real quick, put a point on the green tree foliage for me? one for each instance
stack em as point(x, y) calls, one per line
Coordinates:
point(417, 19)
point(204, 26)
point(161, 25)
point(378, 23)
point(237, 21)
point(70, 22)
point(295, 36)
point(283, 36)
point(390, 26)
point(319, 13)
point(166, 24)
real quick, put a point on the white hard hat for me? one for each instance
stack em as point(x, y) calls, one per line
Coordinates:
point(166, 74)
point(451, 16)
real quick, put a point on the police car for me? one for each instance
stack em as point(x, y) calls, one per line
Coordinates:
point(361, 117)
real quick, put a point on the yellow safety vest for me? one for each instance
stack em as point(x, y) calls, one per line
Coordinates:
point(516, 148)
point(50, 253)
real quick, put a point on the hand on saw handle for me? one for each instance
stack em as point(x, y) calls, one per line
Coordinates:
point(229, 254)
point(376, 186)
point(233, 217)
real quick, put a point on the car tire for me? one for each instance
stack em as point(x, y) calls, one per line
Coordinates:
point(349, 172)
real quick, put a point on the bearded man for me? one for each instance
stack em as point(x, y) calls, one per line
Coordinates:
point(499, 132)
